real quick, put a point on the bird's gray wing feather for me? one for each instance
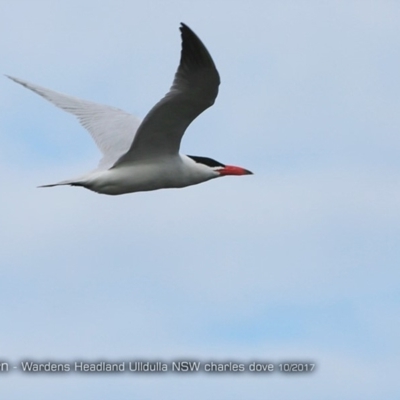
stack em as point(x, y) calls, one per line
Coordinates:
point(194, 89)
point(112, 129)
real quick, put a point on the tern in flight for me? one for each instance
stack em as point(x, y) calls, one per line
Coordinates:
point(141, 156)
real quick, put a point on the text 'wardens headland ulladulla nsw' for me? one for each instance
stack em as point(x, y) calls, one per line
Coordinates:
point(139, 366)
point(159, 366)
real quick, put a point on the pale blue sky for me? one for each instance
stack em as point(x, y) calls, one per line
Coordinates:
point(299, 261)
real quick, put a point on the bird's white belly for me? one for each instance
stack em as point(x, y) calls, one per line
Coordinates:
point(143, 177)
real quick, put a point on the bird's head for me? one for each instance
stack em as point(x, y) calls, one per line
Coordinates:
point(221, 169)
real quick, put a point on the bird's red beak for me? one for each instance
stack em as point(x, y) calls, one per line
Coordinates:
point(232, 170)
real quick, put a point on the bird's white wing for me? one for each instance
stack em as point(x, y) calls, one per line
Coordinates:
point(112, 129)
point(194, 89)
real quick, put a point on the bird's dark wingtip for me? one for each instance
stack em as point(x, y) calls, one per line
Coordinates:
point(184, 27)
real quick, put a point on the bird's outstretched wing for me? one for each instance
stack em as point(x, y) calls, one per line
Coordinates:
point(194, 89)
point(112, 129)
